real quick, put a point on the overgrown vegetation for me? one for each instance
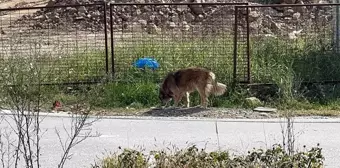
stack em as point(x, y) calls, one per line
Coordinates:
point(279, 155)
point(195, 157)
point(289, 64)
point(23, 97)
point(286, 63)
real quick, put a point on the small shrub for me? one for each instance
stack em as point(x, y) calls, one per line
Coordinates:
point(194, 157)
point(128, 158)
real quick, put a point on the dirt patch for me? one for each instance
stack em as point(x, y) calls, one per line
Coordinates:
point(19, 4)
point(190, 112)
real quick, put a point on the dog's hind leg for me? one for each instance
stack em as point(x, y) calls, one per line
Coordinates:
point(187, 99)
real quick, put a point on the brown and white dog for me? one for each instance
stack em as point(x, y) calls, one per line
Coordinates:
point(185, 81)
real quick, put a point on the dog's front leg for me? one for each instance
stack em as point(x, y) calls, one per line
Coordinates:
point(177, 99)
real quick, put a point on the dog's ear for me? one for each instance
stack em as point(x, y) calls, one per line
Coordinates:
point(170, 93)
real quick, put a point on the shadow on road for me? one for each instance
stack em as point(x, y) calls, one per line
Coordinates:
point(171, 112)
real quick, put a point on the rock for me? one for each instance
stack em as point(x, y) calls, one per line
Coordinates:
point(172, 25)
point(51, 3)
point(255, 25)
point(195, 16)
point(322, 2)
point(96, 14)
point(200, 16)
point(293, 34)
point(181, 8)
point(79, 18)
point(253, 15)
point(143, 22)
point(39, 17)
point(174, 18)
point(153, 29)
point(138, 12)
point(82, 9)
point(56, 16)
point(189, 17)
point(196, 9)
point(289, 12)
point(300, 9)
point(276, 27)
point(185, 26)
point(152, 18)
point(253, 102)
point(296, 16)
point(265, 109)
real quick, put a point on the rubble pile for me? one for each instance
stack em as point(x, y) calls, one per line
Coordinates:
point(154, 19)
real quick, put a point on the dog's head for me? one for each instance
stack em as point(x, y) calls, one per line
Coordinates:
point(165, 95)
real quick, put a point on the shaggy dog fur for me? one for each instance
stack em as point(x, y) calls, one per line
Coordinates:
point(185, 81)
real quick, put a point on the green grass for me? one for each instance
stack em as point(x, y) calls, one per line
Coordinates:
point(76, 67)
point(280, 61)
point(173, 53)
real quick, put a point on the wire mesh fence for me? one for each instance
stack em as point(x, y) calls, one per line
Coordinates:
point(65, 43)
point(241, 71)
point(176, 35)
point(292, 43)
point(247, 43)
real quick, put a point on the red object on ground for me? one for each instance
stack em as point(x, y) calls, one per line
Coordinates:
point(56, 105)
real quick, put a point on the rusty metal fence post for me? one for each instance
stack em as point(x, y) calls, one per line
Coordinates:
point(106, 40)
point(239, 36)
point(112, 43)
point(235, 45)
point(248, 49)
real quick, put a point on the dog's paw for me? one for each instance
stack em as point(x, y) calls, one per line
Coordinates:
point(174, 108)
point(200, 107)
point(158, 108)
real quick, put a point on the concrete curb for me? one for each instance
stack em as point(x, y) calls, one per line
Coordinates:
point(309, 119)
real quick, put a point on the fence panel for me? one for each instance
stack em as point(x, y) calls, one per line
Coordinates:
point(67, 43)
point(176, 35)
point(241, 46)
point(290, 43)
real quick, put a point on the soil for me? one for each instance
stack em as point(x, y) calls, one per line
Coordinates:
point(195, 112)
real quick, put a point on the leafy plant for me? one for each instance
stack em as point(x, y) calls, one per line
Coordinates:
point(194, 157)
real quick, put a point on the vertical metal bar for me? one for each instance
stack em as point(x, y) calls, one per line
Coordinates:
point(235, 44)
point(106, 45)
point(337, 27)
point(248, 49)
point(112, 46)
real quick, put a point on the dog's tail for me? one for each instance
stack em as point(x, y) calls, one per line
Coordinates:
point(216, 88)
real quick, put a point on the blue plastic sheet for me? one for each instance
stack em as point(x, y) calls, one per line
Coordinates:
point(146, 62)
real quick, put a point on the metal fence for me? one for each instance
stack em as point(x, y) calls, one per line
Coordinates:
point(240, 42)
point(292, 43)
point(68, 43)
point(83, 43)
point(176, 35)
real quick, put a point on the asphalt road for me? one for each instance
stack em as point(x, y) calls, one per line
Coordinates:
point(238, 136)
